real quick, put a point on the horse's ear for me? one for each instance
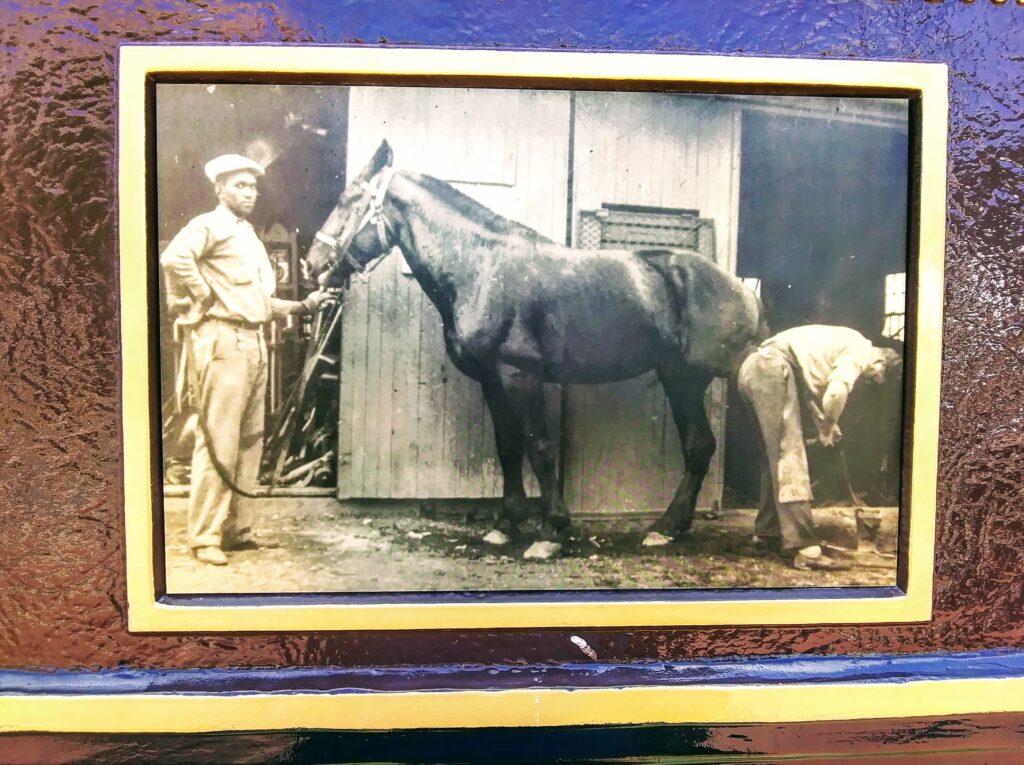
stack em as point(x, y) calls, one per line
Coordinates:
point(381, 158)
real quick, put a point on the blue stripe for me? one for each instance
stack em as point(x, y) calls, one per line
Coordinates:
point(775, 670)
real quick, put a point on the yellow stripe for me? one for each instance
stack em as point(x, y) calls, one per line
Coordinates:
point(154, 713)
point(148, 616)
point(877, 75)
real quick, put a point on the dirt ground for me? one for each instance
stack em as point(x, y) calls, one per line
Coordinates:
point(322, 545)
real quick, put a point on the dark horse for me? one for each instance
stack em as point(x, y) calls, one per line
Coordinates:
point(520, 310)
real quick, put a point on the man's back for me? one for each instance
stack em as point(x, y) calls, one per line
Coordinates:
point(823, 353)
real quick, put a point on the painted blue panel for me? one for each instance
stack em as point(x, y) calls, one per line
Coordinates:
point(778, 670)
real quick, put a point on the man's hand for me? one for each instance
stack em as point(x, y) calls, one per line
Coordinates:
point(832, 405)
point(829, 435)
point(313, 301)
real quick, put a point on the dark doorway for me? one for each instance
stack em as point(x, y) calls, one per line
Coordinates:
point(298, 132)
point(823, 221)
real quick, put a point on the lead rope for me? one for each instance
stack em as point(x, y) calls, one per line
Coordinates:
point(203, 417)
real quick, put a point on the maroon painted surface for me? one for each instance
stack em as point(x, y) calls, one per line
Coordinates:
point(988, 739)
point(62, 581)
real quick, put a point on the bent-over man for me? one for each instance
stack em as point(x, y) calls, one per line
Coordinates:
point(818, 366)
point(221, 283)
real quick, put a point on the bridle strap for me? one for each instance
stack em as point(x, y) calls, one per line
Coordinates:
point(346, 257)
point(374, 214)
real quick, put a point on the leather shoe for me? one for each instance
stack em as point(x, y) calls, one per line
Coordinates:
point(804, 562)
point(212, 555)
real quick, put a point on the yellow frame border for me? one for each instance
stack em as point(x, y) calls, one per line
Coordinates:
point(650, 705)
point(147, 614)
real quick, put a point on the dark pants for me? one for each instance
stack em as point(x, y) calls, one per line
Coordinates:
point(768, 382)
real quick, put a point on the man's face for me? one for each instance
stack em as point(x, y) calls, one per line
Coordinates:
point(238, 192)
point(875, 372)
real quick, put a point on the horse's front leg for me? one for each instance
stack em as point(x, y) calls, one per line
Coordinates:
point(508, 433)
point(686, 397)
point(525, 391)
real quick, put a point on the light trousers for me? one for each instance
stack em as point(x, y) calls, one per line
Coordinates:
point(768, 382)
point(228, 374)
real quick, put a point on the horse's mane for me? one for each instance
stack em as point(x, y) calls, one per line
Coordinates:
point(470, 208)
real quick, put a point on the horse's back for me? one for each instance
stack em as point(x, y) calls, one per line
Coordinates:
point(720, 316)
point(589, 316)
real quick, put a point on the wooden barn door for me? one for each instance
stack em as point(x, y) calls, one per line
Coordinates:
point(411, 425)
point(660, 171)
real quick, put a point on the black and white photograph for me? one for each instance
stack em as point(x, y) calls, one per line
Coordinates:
point(450, 339)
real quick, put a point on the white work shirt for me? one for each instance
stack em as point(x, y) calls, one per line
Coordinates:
point(220, 263)
point(823, 354)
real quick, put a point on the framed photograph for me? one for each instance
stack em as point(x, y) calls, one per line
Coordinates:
point(452, 339)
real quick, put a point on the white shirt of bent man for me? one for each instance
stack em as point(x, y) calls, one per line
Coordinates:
point(823, 354)
point(218, 259)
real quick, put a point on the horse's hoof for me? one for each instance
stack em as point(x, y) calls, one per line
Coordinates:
point(542, 550)
point(656, 539)
point(496, 538)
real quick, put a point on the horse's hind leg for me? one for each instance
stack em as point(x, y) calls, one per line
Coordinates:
point(508, 433)
point(525, 391)
point(686, 398)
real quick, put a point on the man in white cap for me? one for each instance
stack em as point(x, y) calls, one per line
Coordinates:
point(817, 365)
point(221, 283)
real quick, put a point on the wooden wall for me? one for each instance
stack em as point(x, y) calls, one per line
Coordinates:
point(412, 426)
point(508, 149)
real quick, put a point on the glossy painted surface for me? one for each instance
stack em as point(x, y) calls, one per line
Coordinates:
point(62, 602)
point(780, 670)
point(978, 740)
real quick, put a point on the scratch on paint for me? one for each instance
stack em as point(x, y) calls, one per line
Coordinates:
point(584, 646)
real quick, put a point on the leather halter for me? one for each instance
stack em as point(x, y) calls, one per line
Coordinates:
point(370, 209)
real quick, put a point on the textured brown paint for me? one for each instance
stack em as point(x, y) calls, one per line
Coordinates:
point(62, 599)
point(936, 741)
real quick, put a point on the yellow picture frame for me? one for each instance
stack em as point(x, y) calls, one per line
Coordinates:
point(925, 84)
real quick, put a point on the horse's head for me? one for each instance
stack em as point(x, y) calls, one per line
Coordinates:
point(356, 232)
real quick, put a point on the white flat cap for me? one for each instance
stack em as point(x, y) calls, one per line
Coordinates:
point(231, 163)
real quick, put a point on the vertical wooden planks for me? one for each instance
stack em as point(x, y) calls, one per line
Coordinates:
point(372, 436)
point(430, 412)
point(405, 450)
point(352, 400)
